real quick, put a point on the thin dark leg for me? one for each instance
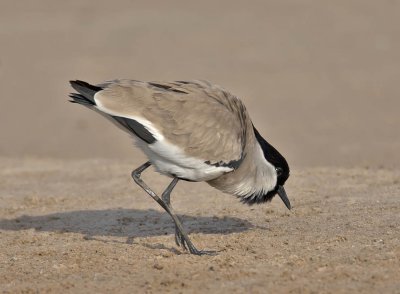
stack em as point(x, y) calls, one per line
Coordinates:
point(179, 240)
point(136, 177)
point(167, 193)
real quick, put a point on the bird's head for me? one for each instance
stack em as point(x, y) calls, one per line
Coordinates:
point(281, 169)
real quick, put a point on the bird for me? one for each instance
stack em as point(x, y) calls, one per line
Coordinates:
point(190, 130)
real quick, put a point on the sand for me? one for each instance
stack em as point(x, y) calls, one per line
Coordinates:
point(84, 225)
point(320, 80)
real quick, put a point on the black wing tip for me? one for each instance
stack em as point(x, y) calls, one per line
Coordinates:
point(84, 84)
point(80, 99)
point(78, 82)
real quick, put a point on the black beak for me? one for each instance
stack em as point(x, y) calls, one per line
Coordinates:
point(285, 199)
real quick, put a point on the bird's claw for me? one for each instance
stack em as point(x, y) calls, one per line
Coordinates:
point(180, 239)
point(181, 242)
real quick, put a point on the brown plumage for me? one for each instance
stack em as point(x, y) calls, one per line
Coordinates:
point(176, 109)
point(191, 130)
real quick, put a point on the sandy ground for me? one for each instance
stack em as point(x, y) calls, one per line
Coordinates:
point(82, 226)
point(321, 82)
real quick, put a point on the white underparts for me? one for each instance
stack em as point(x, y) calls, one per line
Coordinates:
point(168, 158)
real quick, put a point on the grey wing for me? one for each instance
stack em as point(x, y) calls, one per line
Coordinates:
point(204, 121)
point(207, 123)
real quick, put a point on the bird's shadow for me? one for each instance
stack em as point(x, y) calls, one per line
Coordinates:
point(129, 223)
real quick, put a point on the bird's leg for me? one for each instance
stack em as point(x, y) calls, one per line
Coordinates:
point(136, 177)
point(179, 240)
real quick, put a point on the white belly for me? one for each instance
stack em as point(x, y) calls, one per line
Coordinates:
point(170, 160)
point(167, 158)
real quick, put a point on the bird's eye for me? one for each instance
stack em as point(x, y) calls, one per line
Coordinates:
point(279, 171)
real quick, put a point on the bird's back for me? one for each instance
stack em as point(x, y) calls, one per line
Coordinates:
point(192, 119)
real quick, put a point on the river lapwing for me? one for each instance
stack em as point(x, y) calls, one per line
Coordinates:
point(192, 131)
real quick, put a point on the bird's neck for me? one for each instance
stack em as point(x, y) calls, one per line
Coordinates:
point(254, 177)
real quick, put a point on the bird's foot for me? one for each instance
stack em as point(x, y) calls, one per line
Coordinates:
point(188, 246)
point(204, 252)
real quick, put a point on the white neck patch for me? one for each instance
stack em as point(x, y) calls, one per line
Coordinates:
point(259, 182)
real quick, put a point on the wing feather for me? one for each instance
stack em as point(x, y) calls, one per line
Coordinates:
point(205, 121)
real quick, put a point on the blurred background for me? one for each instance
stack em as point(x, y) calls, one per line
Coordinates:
point(320, 78)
